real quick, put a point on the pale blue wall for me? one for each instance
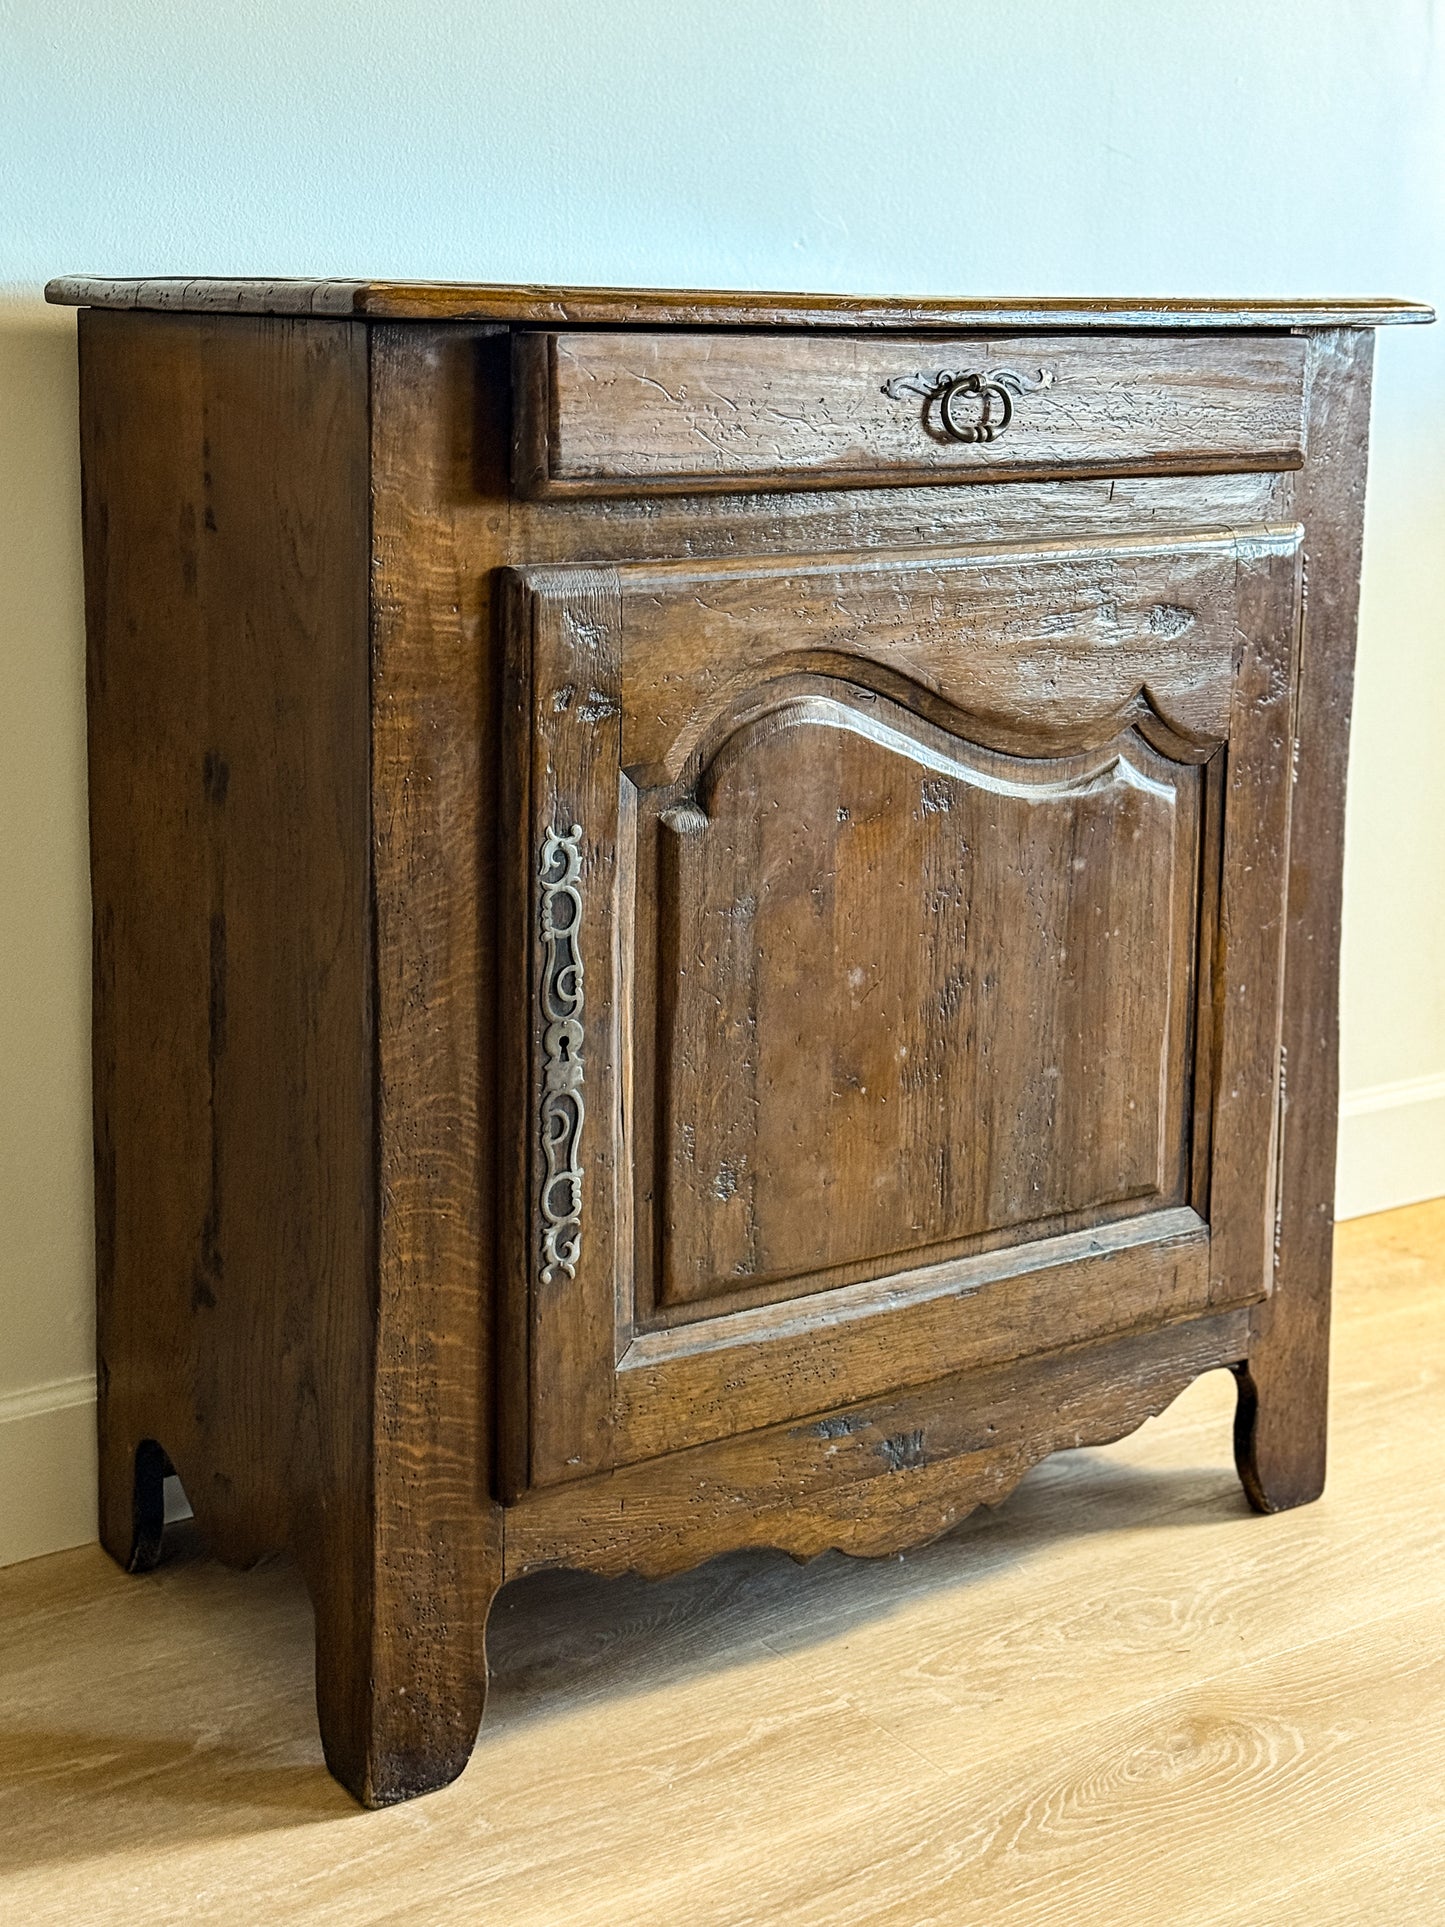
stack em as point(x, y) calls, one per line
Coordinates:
point(1082, 145)
point(1131, 146)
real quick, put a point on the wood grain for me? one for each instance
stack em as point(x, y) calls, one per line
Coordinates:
point(933, 951)
point(1283, 1402)
point(1112, 1697)
point(1035, 649)
point(324, 772)
point(289, 1142)
point(756, 1106)
point(701, 308)
point(721, 1375)
point(572, 645)
point(436, 1538)
point(617, 414)
point(225, 471)
point(1258, 781)
point(861, 521)
point(867, 1479)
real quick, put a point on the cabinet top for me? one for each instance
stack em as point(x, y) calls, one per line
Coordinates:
point(709, 307)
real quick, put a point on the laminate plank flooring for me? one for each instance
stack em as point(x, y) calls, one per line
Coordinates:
point(1119, 1696)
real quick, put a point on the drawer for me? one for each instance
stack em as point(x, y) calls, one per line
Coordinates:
point(623, 413)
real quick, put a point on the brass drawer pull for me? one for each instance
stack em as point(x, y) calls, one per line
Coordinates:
point(989, 398)
point(985, 428)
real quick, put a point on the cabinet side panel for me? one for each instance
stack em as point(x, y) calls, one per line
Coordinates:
point(226, 540)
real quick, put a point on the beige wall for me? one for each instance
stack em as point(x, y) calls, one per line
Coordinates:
point(46, 1345)
point(1132, 146)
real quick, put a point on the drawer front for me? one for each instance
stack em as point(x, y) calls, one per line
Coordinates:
point(600, 414)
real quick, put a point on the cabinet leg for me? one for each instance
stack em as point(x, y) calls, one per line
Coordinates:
point(132, 1501)
point(400, 1686)
point(1280, 1422)
point(1284, 1382)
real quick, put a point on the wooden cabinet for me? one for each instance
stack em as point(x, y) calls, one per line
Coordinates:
point(716, 922)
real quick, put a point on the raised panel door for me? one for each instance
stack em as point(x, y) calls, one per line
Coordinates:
point(897, 929)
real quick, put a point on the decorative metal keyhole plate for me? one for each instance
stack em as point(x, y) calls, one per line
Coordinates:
point(562, 1109)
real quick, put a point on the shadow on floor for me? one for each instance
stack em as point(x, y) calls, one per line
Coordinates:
point(179, 1706)
point(560, 1639)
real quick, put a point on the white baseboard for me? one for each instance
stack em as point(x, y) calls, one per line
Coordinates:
point(47, 1469)
point(1392, 1146)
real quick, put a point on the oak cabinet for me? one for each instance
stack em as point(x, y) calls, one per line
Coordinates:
point(716, 922)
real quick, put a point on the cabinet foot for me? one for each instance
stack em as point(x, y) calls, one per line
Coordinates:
point(399, 1697)
point(133, 1502)
point(1280, 1424)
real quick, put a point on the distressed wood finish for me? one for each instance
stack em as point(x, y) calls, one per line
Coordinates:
point(902, 1016)
point(234, 1107)
point(870, 999)
point(631, 413)
point(287, 1147)
point(867, 1478)
point(701, 308)
point(709, 1379)
point(1053, 763)
point(1280, 1435)
point(437, 1537)
point(1249, 1712)
point(1038, 649)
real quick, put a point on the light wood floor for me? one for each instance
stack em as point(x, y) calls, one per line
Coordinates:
point(1119, 1699)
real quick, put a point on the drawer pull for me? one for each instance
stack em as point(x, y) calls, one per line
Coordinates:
point(985, 427)
point(562, 1110)
point(972, 407)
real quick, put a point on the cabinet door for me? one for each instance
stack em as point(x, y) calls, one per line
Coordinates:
point(904, 940)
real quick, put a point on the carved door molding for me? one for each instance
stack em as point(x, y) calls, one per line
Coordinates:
point(983, 781)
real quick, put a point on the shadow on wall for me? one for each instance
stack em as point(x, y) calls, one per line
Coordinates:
point(46, 1266)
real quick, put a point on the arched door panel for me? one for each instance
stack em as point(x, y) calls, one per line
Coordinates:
point(896, 933)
